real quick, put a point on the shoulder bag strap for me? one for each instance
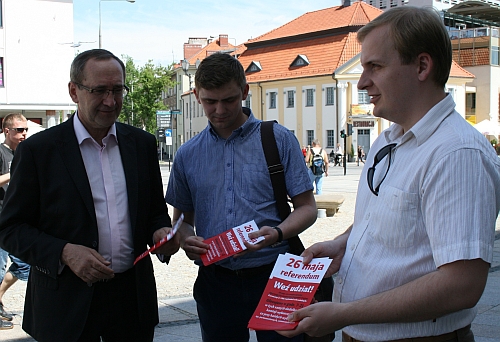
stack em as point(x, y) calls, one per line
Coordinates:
point(277, 174)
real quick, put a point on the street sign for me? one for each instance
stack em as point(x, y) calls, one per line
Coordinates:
point(163, 119)
point(168, 137)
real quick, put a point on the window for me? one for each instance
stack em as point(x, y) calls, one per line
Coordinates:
point(291, 99)
point(494, 55)
point(329, 96)
point(300, 60)
point(272, 99)
point(1, 65)
point(248, 102)
point(309, 98)
point(363, 97)
point(470, 107)
point(330, 138)
point(310, 136)
point(254, 67)
point(1, 18)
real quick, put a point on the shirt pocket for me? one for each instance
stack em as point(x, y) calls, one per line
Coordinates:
point(256, 184)
point(395, 218)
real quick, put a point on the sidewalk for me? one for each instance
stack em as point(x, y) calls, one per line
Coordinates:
point(178, 318)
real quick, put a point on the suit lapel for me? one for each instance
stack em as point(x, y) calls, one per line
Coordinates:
point(128, 152)
point(72, 159)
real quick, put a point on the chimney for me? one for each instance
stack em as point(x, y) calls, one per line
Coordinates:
point(346, 3)
point(223, 40)
point(191, 49)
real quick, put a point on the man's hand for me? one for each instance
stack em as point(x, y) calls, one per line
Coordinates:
point(86, 263)
point(194, 247)
point(331, 249)
point(315, 320)
point(270, 237)
point(170, 247)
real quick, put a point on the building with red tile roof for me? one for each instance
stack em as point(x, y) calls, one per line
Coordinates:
point(304, 74)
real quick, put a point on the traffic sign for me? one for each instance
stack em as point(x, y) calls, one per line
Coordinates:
point(163, 118)
point(168, 137)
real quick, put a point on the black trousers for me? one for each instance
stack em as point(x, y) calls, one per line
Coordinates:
point(226, 301)
point(114, 315)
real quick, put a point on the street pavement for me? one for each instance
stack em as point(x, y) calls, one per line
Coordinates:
point(178, 318)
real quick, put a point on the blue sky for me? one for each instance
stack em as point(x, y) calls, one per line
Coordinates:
point(156, 29)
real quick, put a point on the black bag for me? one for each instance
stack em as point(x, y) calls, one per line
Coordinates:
point(317, 163)
point(277, 174)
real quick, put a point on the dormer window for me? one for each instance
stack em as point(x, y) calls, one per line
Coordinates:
point(254, 67)
point(299, 61)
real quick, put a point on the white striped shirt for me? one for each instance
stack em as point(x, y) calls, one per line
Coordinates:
point(438, 204)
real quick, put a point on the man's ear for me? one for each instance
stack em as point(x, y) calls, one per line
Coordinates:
point(196, 95)
point(72, 92)
point(245, 91)
point(425, 66)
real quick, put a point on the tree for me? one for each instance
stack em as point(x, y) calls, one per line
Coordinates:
point(146, 85)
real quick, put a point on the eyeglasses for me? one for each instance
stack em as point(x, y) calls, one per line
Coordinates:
point(19, 129)
point(384, 151)
point(117, 91)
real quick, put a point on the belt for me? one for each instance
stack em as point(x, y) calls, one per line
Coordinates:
point(118, 277)
point(244, 272)
point(440, 338)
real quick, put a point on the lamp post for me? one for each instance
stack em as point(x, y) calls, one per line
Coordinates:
point(100, 42)
point(185, 67)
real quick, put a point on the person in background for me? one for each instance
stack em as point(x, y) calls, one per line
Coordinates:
point(317, 176)
point(85, 199)
point(415, 261)
point(361, 154)
point(15, 127)
point(216, 197)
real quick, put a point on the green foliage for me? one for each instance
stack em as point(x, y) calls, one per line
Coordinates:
point(146, 84)
point(352, 151)
point(493, 142)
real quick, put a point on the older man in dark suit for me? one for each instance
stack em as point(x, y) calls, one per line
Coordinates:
point(85, 199)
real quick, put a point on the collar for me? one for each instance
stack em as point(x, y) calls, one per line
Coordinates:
point(243, 131)
point(425, 127)
point(82, 133)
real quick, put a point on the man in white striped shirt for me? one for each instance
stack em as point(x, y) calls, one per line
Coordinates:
point(415, 261)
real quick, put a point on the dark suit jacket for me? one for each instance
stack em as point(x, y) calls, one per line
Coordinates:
point(49, 203)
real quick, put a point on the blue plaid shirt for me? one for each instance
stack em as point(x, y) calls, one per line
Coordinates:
point(226, 183)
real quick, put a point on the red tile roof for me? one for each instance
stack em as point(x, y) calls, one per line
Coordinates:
point(326, 37)
point(358, 14)
point(210, 49)
point(324, 55)
point(458, 71)
point(472, 57)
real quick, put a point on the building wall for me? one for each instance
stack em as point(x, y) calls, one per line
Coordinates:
point(37, 57)
point(487, 85)
point(321, 118)
point(300, 118)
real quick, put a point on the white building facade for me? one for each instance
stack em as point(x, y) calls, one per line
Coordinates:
point(35, 59)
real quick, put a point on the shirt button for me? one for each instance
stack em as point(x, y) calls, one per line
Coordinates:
point(367, 216)
point(94, 244)
point(352, 247)
point(229, 189)
point(228, 164)
point(230, 211)
point(339, 280)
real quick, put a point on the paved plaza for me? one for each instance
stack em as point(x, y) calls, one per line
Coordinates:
point(178, 318)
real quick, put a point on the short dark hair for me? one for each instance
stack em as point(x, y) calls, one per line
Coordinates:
point(415, 30)
point(218, 70)
point(76, 71)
